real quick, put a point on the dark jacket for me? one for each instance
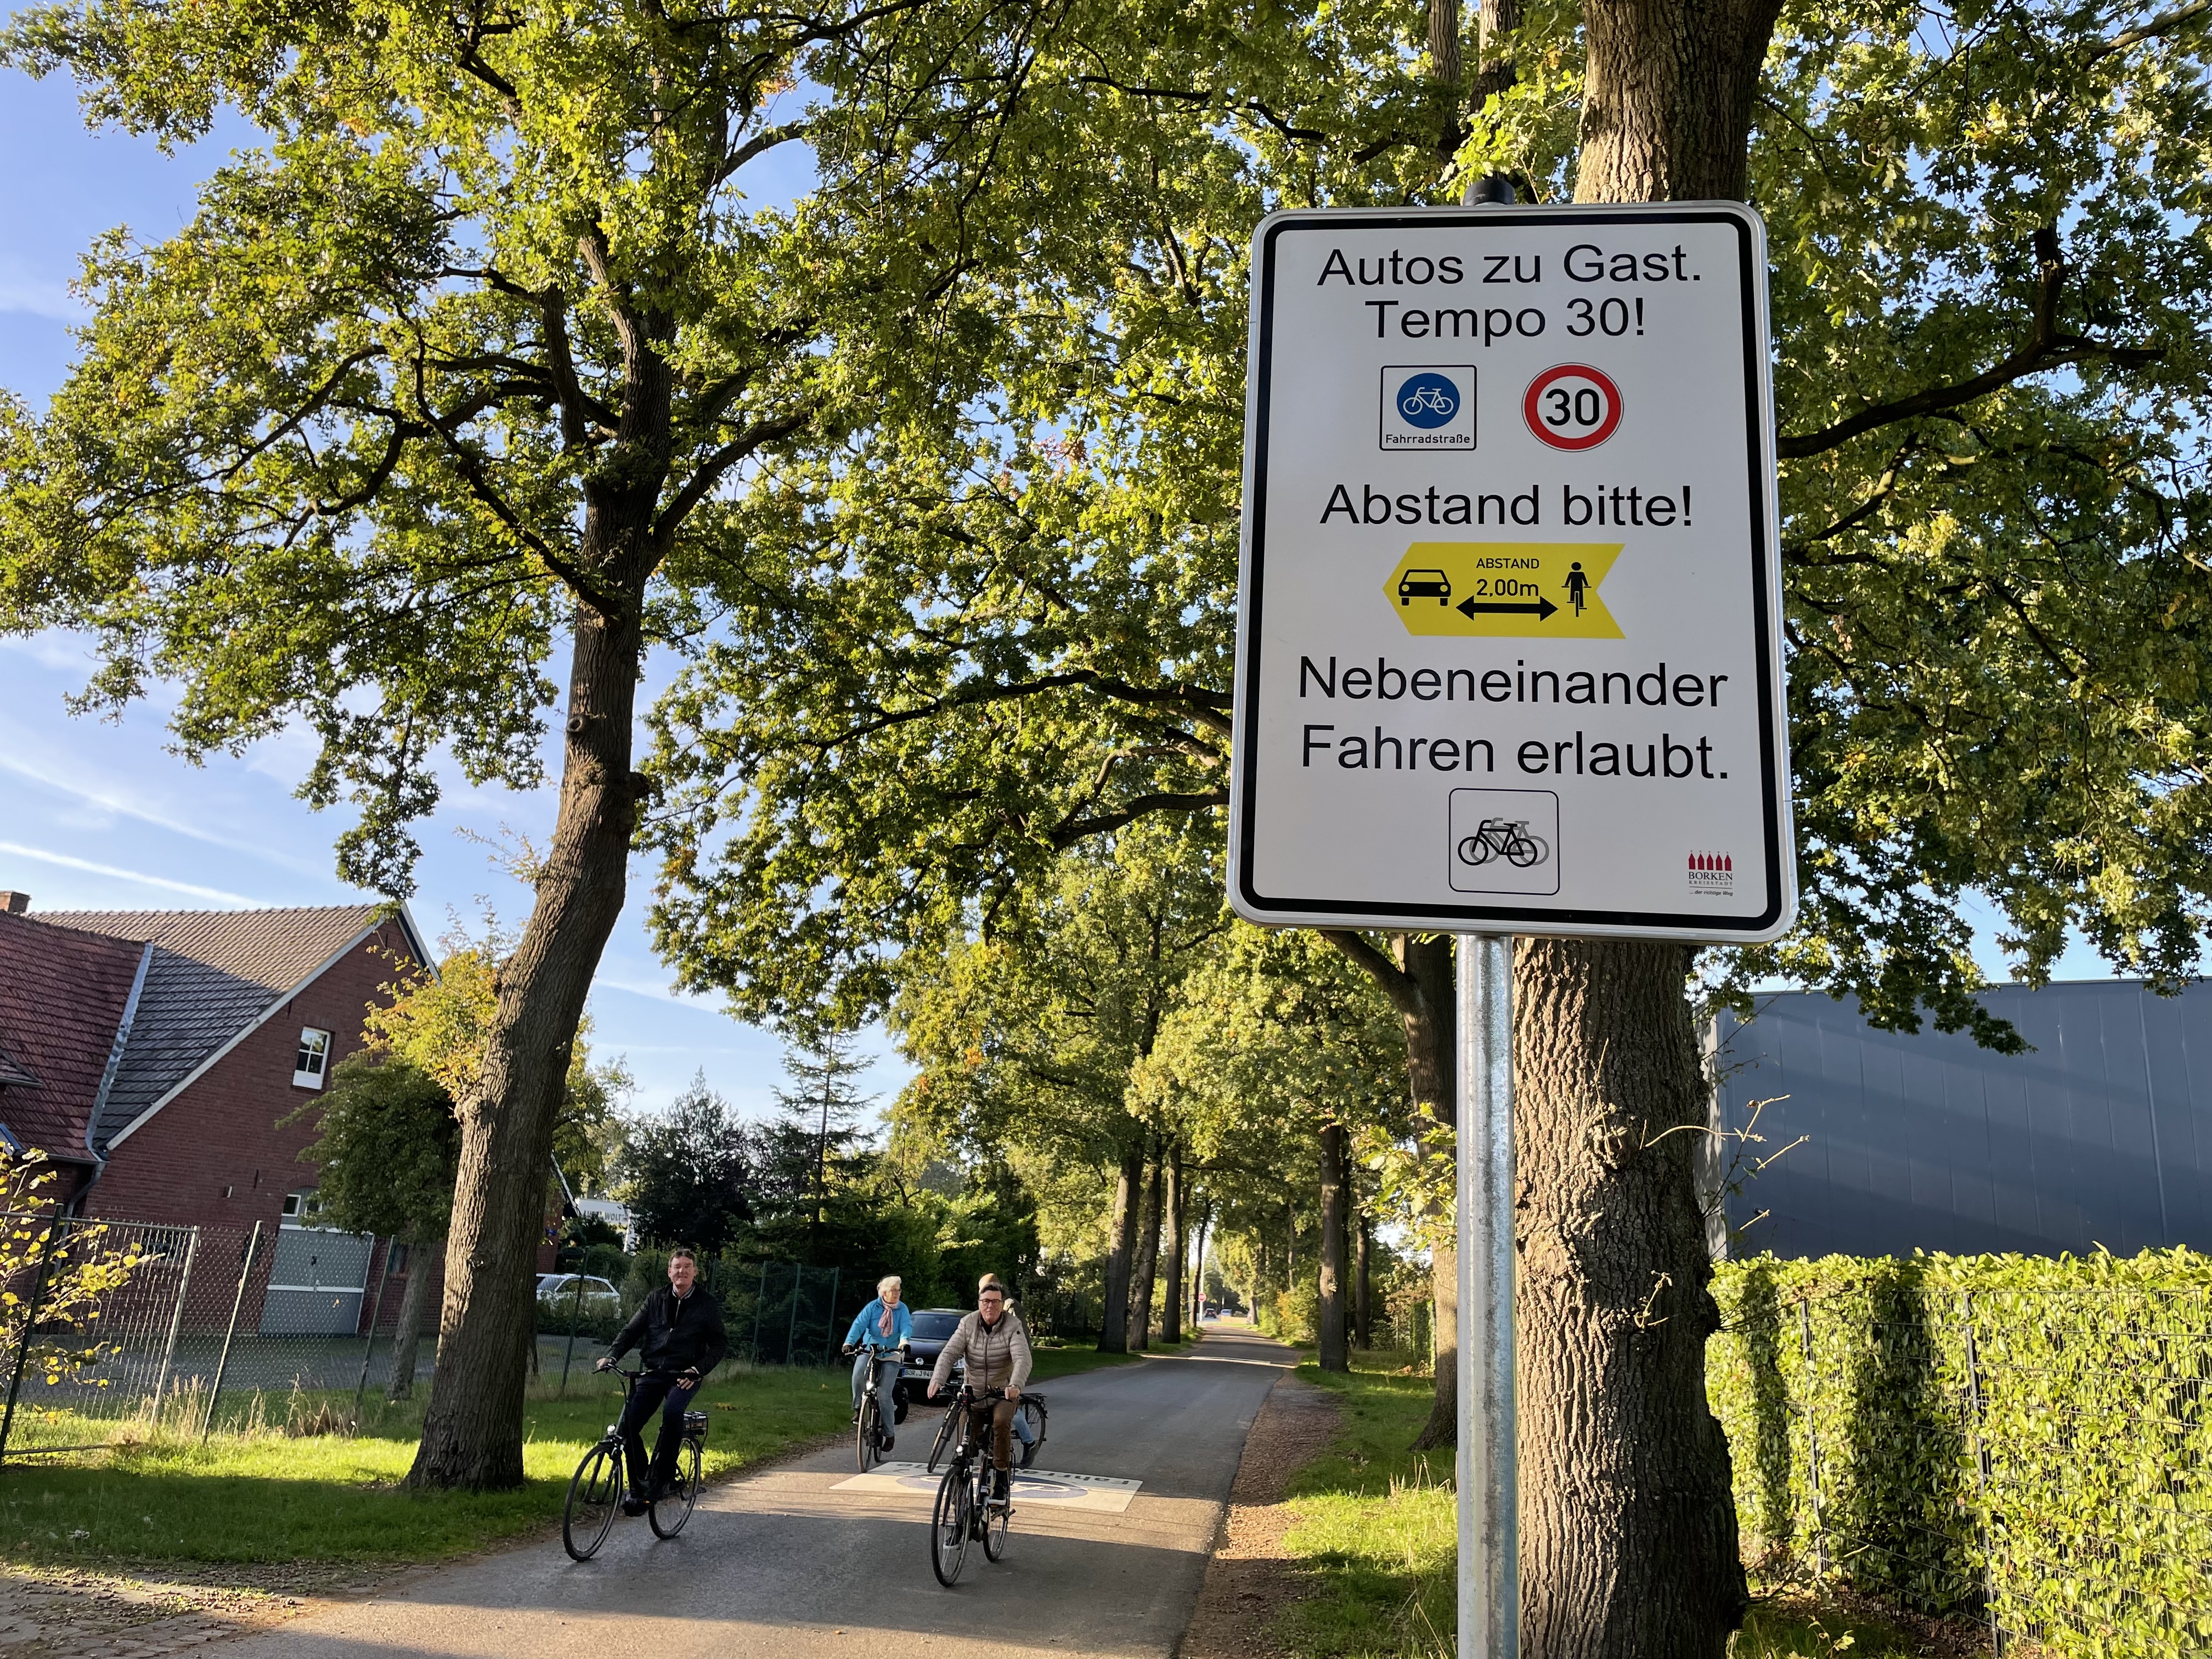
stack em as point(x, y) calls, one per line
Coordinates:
point(675, 1336)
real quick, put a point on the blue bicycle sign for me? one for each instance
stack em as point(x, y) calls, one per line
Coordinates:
point(1428, 401)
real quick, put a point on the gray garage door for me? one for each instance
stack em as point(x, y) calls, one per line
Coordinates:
point(315, 1282)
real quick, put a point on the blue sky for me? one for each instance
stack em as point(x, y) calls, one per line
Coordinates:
point(99, 815)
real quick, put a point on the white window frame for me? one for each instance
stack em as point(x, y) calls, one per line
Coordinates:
point(315, 1045)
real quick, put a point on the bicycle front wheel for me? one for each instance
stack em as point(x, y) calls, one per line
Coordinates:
point(594, 1495)
point(867, 1430)
point(948, 1527)
point(995, 1522)
point(1034, 1413)
point(669, 1515)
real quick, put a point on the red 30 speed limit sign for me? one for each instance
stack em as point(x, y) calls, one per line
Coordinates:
point(1572, 406)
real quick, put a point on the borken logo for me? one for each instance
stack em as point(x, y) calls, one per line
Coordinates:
point(1428, 408)
point(1713, 875)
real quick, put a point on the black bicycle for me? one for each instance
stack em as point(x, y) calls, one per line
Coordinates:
point(871, 1436)
point(596, 1490)
point(1033, 1410)
point(1506, 837)
point(965, 1508)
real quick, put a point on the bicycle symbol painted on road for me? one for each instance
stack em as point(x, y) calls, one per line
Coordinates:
point(1505, 838)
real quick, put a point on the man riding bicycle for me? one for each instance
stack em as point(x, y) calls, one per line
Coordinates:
point(997, 1350)
point(678, 1334)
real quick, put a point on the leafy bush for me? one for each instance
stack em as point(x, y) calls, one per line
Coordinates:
point(1945, 1430)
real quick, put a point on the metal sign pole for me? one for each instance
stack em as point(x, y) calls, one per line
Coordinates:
point(1488, 1470)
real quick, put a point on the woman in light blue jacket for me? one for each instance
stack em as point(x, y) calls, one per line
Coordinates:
point(881, 1326)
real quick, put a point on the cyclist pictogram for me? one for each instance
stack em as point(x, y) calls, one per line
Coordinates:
point(1504, 841)
point(1428, 402)
point(1505, 838)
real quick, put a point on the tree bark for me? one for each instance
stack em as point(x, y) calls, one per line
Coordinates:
point(1432, 1029)
point(1330, 1316)
point(1146, 1276)
point(414, 1302)
point(1198, 1268)
point(1178, 1241)
point(1363, 1322)
point(1628, 1535)
point(472, 1432)
point(1113, 1318)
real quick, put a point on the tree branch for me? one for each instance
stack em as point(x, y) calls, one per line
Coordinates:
point(2165, 23)
point(711, 470)
point(1397, 984)
point(2046, 347)
point(1070, 830)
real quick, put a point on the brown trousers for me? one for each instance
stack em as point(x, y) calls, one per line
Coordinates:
point(1001, 1413)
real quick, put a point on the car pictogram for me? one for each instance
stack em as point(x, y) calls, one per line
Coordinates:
point(1424, 585)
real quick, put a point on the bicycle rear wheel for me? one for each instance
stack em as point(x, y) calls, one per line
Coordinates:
point(948, 1527)
point(1034, 1413)
point(866, 1429)
point(594, 1495)
point(669, 1515)
point(943, 1435)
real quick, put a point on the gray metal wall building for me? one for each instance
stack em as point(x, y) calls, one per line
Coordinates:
point(2101, 1134)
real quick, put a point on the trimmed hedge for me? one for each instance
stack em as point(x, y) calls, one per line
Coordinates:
point(1970, 1435)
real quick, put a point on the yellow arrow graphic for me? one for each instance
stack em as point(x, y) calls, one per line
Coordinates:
point(1489, 590)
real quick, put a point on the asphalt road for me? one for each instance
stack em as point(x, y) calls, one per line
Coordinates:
point(778, 1563)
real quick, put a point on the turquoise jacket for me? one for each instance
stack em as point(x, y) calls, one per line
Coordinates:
point(869, 1326)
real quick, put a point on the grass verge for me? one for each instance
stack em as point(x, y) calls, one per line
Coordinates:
point(258, 1493)
point(263, 1495)
point(1378, 1533)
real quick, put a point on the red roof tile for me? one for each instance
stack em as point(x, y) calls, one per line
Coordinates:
point(62, 993)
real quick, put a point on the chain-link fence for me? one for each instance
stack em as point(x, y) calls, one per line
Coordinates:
point(2037, 1459)
point(205, 1326)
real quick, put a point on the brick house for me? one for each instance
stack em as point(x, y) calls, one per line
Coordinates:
point(155, 1056)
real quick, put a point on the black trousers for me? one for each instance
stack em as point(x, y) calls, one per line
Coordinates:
point(672, 1394)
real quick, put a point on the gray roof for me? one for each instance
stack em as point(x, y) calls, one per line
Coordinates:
point(2101, 1134)
point(213, 975)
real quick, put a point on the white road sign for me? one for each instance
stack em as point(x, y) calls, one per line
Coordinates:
point(1508, 654)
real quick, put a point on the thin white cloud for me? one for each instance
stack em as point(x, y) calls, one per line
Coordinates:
point(108, 798)
point(40, 296)
point(20, 850)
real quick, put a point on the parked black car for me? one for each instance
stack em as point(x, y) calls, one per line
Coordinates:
point(933, 1329)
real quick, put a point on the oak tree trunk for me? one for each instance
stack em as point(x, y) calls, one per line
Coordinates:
point(1114, 1317)
point(1628, 1535)
point(1431, 1039)
point(472, 1432)
point(1362, 1322)
point(1178, 1241)
point(414, 1303)
point(1330, 1317)
point(1146, 1276)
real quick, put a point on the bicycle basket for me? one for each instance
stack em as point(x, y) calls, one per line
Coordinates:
point(694, 1423)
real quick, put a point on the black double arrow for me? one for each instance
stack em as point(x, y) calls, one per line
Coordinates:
point(1542, 611)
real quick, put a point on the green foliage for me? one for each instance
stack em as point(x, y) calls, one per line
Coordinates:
point(70, 1267)
point(690, 1176)
point(2032, 1425)
point(388, 1145)
point(1991, 278)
